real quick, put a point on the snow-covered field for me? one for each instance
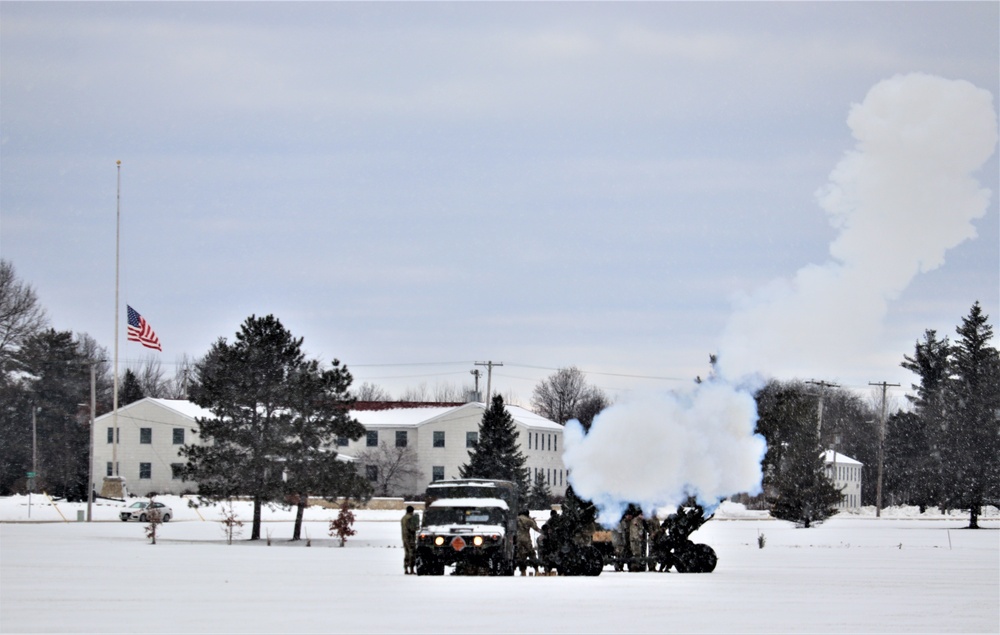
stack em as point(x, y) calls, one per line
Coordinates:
point(904, 572)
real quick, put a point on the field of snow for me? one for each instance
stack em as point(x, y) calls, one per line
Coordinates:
point(904, 572)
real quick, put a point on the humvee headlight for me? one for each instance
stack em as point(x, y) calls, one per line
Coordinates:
point(439, 540)
point(478, 541)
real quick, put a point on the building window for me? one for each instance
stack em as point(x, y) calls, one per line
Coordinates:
point(555, 443)
point(529, 440)
point(175, 471)
point(111, 435)
point(437, 473)
point(372, 472)
point(400, 438)
point(439, 438)
point(178, 436)
point(145, 435)
point(111, 471)
point(342, 442)
point(145, 470)
point(471, 439)
point(372, 438)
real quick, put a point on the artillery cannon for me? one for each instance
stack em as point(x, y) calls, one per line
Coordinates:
point(575, 546)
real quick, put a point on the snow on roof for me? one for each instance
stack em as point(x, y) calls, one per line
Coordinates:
point(398, 417)
point(185, 407)
point(829, 456)
point(470, 502)
point(414, 417)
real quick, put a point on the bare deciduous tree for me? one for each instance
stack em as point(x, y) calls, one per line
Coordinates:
point(20, 314)
point(566, 395)
point(371, 392)
point(396, 466)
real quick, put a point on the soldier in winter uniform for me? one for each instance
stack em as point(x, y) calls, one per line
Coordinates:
point(525, 549)
point(636, 535)
point(547, 541)
point(409, 524)
point(619, 535)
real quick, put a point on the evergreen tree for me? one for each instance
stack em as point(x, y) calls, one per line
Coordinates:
point(55, 381)
point(805, 495)
point(275, 414)
point(497, 453)
point(319, 415)
point(971, 448)
point(130, 391)
point(931, 362)
point(540, 496)
point(907, 456)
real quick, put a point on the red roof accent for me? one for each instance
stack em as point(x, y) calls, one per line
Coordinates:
point(391, 405)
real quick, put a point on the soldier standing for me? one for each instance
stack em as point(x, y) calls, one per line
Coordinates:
point(409, 525)
point(525, 549)
point(635, 537)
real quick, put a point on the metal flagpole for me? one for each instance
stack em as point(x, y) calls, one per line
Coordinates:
point(114, 406)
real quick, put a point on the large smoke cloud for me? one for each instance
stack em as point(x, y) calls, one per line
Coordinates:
point(900, 200)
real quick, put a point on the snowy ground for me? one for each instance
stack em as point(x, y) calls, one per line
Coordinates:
point(903, 572)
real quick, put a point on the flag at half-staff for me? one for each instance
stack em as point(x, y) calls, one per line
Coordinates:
point(140, 331)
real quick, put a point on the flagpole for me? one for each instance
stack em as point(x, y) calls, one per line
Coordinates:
point(114, 407)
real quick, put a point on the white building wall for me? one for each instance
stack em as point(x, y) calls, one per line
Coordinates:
point(845, 473)
point(159, 453)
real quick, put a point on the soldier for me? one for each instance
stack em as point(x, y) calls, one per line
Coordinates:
point(409, 524)
point(525, 549)
point(548, 541)
point(635, 538)
point(619, 535)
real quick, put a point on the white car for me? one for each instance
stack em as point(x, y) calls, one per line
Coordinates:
point(143, 510)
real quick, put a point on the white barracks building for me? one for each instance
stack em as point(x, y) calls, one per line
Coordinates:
point(151, 431)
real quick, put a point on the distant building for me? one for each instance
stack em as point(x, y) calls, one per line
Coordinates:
point(442, 437)
point(151, 431)
point(845, 473)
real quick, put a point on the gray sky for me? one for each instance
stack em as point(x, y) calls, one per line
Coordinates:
point(416, 187)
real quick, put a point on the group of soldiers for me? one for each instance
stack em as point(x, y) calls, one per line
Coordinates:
point(639, 543)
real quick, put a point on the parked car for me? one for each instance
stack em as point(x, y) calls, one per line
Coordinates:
point(143, 510)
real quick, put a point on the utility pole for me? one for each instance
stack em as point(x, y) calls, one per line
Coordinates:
point(489, 377)
point(881, 447)
point(93, 413)
point(34, 455)
point(822, 385)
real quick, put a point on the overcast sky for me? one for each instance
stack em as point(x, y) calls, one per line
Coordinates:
point(416, 187)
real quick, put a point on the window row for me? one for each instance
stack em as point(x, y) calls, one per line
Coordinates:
point(437, 473)
point(541, 441)
point(552, 476)
point(146, 435)
point(402, 439)
point(845, 473)
point(146, 470)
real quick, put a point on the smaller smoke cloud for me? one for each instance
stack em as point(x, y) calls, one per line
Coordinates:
point(657, 451)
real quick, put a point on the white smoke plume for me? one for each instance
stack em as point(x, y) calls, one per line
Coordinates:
point(900, 200)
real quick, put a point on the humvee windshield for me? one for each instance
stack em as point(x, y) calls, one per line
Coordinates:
point(464, 491)
point(464, 516)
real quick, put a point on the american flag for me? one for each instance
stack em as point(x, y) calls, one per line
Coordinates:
point(140, 331)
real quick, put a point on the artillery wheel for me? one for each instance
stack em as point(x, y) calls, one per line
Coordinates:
point(696, 558)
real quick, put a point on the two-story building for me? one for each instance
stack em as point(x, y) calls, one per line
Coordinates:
point(151, 431)
point(845, 473)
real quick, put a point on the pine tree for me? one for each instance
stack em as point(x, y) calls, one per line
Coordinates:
point(805, 495)
point(275, 417)
point(540, 496)
point(971, 448)
point(130, 390)
point(931, 362)
point(497, 453)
